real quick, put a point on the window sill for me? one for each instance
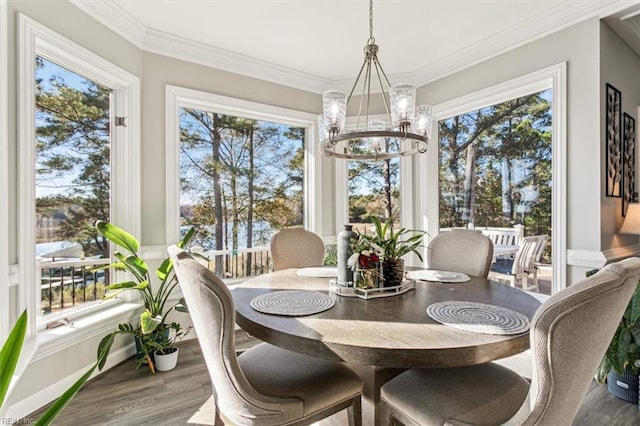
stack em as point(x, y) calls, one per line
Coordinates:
point(98, 323)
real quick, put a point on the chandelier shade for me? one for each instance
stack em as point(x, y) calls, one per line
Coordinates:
point(408, 127)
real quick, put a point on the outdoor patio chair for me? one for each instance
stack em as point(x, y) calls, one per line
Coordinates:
point(569, 335)
point(266, 385)
point(461, 250)
point(296, 248)
point(516, 271)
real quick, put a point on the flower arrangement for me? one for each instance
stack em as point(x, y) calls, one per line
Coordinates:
point(365, 262)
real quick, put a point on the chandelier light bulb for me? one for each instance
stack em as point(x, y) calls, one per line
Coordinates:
point(376, 144)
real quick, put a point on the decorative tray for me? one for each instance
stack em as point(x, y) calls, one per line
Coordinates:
point(370, 293)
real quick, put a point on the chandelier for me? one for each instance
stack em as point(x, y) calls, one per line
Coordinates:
point(406, 132)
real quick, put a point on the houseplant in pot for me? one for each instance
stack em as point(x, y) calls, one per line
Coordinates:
point(153, 326)
point(392, 246)
point(165, 349)
point(621, 363)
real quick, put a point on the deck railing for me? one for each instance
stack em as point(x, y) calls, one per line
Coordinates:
point(67, 283)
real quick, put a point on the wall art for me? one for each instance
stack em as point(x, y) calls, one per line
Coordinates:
point(629, 194)
point(613, 142)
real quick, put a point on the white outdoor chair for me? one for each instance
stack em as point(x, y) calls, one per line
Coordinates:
point(266, 385)
point(296, 248)
point(569, 335)
point(516, 271)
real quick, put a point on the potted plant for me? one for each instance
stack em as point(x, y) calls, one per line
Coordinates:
point(392, 246)
point(152, 326)
point(165, 350)
point(621, 363)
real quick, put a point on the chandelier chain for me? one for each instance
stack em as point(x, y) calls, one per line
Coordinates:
point(372, 39)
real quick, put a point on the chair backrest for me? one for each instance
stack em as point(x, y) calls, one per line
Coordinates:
point(213, 314)
point(503, 235)
point(542, 243)
point(461, 250)
point(524, 259)
point(296, 248)
point(569, 335)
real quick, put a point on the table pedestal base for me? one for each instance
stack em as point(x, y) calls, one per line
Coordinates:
point(373, 378)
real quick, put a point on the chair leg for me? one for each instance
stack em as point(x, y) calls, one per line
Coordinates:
point(354, 412)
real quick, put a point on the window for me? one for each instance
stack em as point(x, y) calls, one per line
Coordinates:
point(73, 185)
point(254, 166)
point(552, 78)
point(374, 189)
point(240, 181)
point(54, 59)
point(495, 166)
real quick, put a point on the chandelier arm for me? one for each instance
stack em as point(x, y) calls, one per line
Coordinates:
point(366, 80)
point(382, 92)
point(353, 88)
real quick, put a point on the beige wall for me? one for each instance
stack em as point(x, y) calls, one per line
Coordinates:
point(619, 66)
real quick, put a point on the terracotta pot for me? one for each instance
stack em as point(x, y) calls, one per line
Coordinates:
point(392, 272)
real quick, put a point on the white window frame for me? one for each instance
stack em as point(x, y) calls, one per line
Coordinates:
point(4, 177)
point(553, 77)
point(180, 97)
point(37, 40)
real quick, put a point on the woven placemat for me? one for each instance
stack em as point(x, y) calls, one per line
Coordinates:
point(292, 302)
point(478, 317)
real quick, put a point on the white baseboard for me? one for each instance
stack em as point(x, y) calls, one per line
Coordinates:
point(23, 408)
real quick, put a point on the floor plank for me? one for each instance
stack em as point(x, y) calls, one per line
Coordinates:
point(128, 396)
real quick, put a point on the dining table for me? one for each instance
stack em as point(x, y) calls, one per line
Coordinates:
point(381, 337)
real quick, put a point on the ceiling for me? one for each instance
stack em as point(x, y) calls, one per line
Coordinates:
point(317, 44)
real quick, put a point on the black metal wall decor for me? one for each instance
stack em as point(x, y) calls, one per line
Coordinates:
point(629, 194)
point(613, 148)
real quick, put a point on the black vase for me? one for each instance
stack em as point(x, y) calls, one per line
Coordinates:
point(623, 386)
point(392, 272)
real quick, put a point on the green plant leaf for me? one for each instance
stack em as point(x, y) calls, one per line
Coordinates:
point(10, 354)
point(187, 237)
point(118, 236)
point(164, 269)
point(634, 313)
point(128, 285)
point(149, 322)
point(136, 265)
point(181, 306)
point(104, 347)
point(624, 340)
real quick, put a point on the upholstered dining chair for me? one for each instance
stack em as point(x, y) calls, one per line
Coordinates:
point(516, 271)
point(296, 248)
point(461, 250)
point(266, 385)
point(569, 335)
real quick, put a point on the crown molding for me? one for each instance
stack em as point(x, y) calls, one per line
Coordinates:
point(203, 54)
point(551, 21)
point(150, 40)
point(115, 18)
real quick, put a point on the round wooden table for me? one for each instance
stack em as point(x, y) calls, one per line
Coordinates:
point(390, 334)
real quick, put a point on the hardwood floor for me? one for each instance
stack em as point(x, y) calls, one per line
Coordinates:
point(128, 396)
